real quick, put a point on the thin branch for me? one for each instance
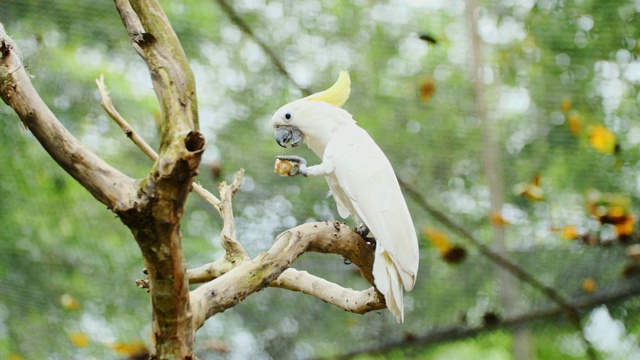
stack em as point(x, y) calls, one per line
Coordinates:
point(236, 19)
point(358, 302)
point(235, 253)
point(107, 105)
point(439, 336)
point(210, 271)
point(509, 266)
point(205, 194)
point(107, 184)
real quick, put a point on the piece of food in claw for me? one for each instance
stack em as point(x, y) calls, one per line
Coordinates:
point(284, 167)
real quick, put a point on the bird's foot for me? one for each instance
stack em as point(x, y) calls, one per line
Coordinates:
point(364, 232)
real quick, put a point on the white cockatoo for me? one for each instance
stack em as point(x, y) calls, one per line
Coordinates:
point(361, 180)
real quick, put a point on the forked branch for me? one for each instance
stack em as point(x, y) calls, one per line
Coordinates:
point(270, 268)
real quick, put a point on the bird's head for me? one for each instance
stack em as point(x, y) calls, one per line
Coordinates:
point(312, 119)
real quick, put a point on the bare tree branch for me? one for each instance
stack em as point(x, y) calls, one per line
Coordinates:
point(234, 286)
point(108, 185)
point(152, 208)
point(234, 252)
point(210, 271)
point(107, 105)
point(359, 253)
point(359, 302)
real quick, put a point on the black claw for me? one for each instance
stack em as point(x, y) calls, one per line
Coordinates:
point(292, 158)
point(363, 231)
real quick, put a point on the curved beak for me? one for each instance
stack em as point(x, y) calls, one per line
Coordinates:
point(288, 136)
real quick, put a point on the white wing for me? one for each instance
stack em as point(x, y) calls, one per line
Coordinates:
point(363, 182)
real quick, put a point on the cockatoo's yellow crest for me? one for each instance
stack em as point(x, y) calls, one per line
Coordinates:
point(337, 94)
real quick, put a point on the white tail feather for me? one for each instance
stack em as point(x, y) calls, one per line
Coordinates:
point(388, 281)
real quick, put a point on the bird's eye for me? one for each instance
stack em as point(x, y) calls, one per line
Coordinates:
point(287, 116)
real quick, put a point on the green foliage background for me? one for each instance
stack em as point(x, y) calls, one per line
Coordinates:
point(58, 240)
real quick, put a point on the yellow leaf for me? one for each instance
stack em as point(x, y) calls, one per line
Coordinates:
point(68, 302)
point(575, 122)
point(570, 232)
point(450, 253)
point(531, 190)
point(497, 219)
point(626, 226)
point(589, 285)
point(602, 139)
point(427, 89)
point(15, 357)
point(566, 104)
point(439, 239)
point(616, 211)
point(79, 339)
point(133, 348)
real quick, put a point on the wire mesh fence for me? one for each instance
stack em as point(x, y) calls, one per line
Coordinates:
point(512, 127)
